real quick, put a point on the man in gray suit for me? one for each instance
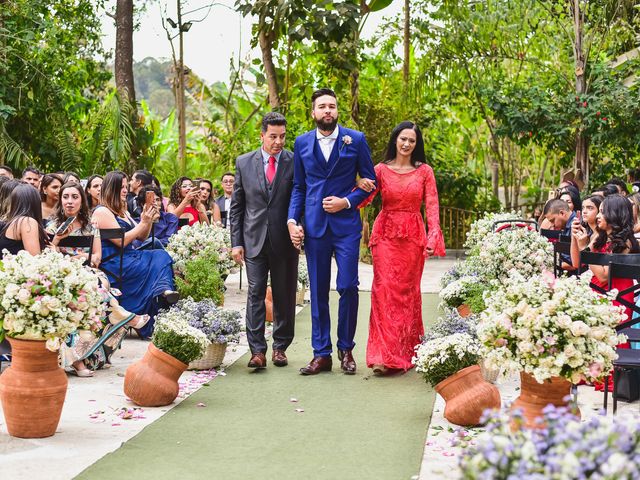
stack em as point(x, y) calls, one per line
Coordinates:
point(260, 239)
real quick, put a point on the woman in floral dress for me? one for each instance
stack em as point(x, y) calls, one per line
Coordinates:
point(400, 245)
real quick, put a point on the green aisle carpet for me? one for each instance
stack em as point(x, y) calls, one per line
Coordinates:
point(352, 427)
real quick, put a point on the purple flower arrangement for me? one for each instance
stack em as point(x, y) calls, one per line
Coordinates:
point(566, 448)
point(451, 323)
point(220, 326)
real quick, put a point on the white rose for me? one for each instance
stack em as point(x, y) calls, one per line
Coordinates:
point(579, 328)
point(23, 295)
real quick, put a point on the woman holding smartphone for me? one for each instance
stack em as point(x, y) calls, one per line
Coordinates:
point(185, 201)
point(87, 351)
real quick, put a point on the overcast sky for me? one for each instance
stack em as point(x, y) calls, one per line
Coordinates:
point(209, 44)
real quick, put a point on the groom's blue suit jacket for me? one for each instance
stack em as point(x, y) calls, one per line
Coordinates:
point(314, 179)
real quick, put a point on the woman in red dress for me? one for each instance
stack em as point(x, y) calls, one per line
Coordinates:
point(399, 246)
point(185, 202)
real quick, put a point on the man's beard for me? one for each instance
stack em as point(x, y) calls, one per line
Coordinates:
point(327, 126)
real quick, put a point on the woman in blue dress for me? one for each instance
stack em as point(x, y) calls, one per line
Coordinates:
point(147, 275)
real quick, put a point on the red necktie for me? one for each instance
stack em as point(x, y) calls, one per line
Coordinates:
point(271, 169)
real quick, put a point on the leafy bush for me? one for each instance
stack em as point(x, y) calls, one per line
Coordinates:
point(174, 336)
point(200, 281)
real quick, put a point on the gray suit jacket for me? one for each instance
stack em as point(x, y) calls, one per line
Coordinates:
point(257, 213)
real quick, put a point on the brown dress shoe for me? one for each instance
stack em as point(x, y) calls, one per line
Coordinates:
point(347, 363)
point(258, 361)
point(317, 365)
point(279, 358)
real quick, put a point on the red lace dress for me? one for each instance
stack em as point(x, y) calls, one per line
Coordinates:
point(399, 245)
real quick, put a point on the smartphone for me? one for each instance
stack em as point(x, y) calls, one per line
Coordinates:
point(63, 228)
point(150, 198)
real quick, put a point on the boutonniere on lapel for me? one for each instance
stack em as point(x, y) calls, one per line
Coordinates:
point(346, 140)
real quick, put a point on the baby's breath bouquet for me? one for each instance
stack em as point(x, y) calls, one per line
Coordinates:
point(550, 327)
point(482, 227)
point(515, 248)
point(47, 297)
point(442, 357)
point(202, 240)
point(303, 273)
point(174, 336)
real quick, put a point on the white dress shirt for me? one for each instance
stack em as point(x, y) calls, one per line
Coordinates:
point(327, 142)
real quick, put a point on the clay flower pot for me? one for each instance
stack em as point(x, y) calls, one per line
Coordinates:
point(467, 396)
point(32, 390)
point(534, 397)
point(464, 310)
point(268, 304)
point(153, 381)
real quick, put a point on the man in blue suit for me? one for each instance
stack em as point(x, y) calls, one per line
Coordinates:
point(327, 161)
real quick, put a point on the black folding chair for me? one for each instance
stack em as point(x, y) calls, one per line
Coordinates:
point(183, 222)
point(561, 247)
point(113, 234)
point(79, 241)
point(550, 234)
point(5, 351)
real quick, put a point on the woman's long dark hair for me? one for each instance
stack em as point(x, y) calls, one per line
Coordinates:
point(618, 214)
point(174, 194)
point(417, 156)
point(47, 180)
point(574, 194)
point(25, 202)
point(83, 214)
point(86, 191)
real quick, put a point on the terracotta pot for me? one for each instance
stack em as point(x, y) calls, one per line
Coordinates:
point(534, 397)
point(467, 396)
point(153, 381)
point(268, 303)
point(464, 310)
point(32, 390)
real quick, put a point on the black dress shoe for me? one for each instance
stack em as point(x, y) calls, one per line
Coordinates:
point(317, 365)
point(347, 363)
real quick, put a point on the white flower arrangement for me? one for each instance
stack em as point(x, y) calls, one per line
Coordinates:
point(173, 335)
point(482, 227)
point(47, 297)
point(442, 357)
point(454, 294)
point(200, 240)
point(550, 327)
point(517, 248)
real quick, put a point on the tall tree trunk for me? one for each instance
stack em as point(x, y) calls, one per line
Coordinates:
point(407, 44)
point(182, 123)
point(123, 65)
point(266, 46)
point(581, 161)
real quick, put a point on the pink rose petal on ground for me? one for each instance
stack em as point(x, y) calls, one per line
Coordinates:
point(115, 424)
point(201, 404)
point(299, 410)
point(448, 454)
point(293, 400)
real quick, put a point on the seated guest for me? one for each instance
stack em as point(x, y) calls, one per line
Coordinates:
point(31, 175)
point(560, 217)
point(92, 191)
point(184, 202)
point(71, 177)
point(23, 228)
point(571, 195)
point(5, 197)
point(147, 275)
point(87, 351)
point(211, 207)
point(139, 179)
point(620, 185)
point(166, 225)
point(6, 171)
point(606, 190)
point(49, 193)
point(224, 200)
